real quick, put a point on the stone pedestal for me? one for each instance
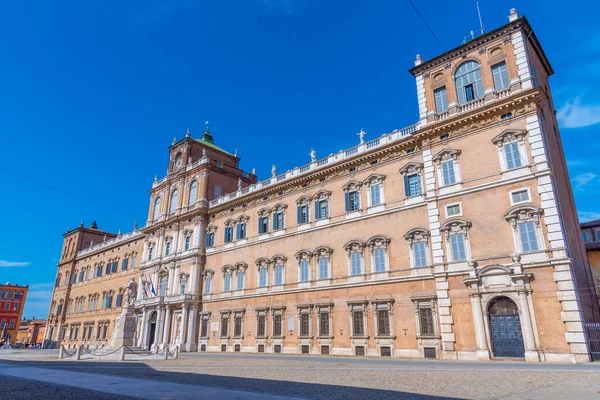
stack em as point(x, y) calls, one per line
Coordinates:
point(124, 332)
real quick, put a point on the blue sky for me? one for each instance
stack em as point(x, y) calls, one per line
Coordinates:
point(92, 94)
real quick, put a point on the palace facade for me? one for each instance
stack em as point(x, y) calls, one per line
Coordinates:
point(456, 237)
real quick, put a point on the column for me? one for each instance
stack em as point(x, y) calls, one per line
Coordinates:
point(175, 285)
point(140, 289)
point(194, 273)
point(197, 235)
point(191, 344)
point(145, 252)
point(175, 243)
point(142, 341)
point(170, 281)
point(531, 353)
point(183, 327)
point(167, 327)
point(159, 245)
point(483, 352)
point(159, 326)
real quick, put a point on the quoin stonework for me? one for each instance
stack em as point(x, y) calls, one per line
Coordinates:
point(454, 238)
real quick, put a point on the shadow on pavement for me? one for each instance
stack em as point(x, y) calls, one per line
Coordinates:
point(139, 370)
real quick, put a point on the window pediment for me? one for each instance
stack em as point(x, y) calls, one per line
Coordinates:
point(417, 235)
point(411, 168)
point(323, 251)
point(211, 228)
point(264, 212)
point(241, 266)
point(278, 259)
point(509, 135)
point(230, 222)
point(303, 200)
point(243, 219)
point(454, 226)
point(279, 207)
point(262, 262)
point(351, 186)
point(377, 242)
point(208, 272)
point(524, 214)
point(304, 255)
point(374, 179)
point(322, 195)
point(445, 155)
point(226, 269)
point(354, 246)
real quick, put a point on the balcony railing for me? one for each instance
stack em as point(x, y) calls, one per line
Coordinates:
point(396, 135)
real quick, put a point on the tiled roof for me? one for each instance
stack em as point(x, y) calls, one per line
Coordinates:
point(590, 224)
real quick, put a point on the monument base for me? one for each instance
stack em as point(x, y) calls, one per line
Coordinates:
point(124, 332)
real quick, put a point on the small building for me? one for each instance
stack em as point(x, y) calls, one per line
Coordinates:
point(12, 300)
point(31, 331)
point(591, 237)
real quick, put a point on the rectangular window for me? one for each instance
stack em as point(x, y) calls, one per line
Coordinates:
point(321, 209)
point(228, 238)
point(352, 201)
point(528, 236)
point(237, 327)
point(224, 326)
point(182, 286)
point(261, 328)
point(453, 210)
point(585, 236)
point(520, 196)
point(204, 328)
point(114, 266)
point(426, 321)
point(500, 75)
point(457, 242)
point(187, 243)
point(240, 280)
point(207, 284)
point(263, 225)
point(358, 324)
point(512, 155)
point(119, 300)
point(420, 254)
point(217, 192)
point(124, 263)
point(167, 248)
point(412, 185)
point(324, 323)
point(355, 264)
point(375, 193)
point(303, 214)
point(278, 221)
point(262, 277)
point(304, 271)
point(150, 253)
point(469, 93)
point(383, 322)
point(304, 324)
point(210, 239)
point(163, 287)
point(74, 277)
point(132, 265)
point(323, 268)
point(80, 279)
point(241, 231)
point(277, 322)
point(379, 259)
point(227, 282)
point(89, 304)
point(278, 274)
point(448, 175)
point(441, 100)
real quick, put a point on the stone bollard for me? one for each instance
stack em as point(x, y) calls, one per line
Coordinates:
point(79, 352)
point(176, 352)
point(166, 350)
point(122, 358)
point(61, 352)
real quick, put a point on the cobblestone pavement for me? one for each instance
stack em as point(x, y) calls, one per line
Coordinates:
point(328, 377)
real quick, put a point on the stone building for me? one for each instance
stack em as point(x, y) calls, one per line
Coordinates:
point(454, 238)
point(590, 232)
point(12, 301)
point(31, 331)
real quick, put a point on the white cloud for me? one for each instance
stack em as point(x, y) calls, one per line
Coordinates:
point(582, 180)
point(585, 216)
point(4, 263)
point(573, 114)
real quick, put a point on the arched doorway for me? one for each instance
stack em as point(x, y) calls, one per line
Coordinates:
point(505, 328)
point(151, 329)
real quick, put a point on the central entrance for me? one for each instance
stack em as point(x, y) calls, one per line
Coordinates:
point(151, 330)
point(505, 327)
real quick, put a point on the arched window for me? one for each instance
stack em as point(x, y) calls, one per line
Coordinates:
point(156, 211)
point(173, 205)
point(2, 294)
point(10, 296)
point(193, 193)
point(503, 305)
point(18, 295)
point(468, 82)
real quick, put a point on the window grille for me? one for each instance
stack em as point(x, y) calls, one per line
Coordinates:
point(237, 348)
point(324, 349)
point(261, 348)
point(261, 326)
point(224, 326)
point(223, 347)
point(383, 322)
point(204, 328)
point(429, 352)
point(277, 348)
point(304, 324)
point(426, 321)
point(237, 328)
point(386, 351)
point(324, 323)
point(359, 350)
point(202, 347)
point(305, 349)
point(277, 321)
point(358, 327)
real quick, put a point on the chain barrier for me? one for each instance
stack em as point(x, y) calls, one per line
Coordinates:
point(67, 355)
point(87, 351)
point(131, 351)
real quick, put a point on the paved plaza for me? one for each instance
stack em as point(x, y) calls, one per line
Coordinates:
point(26, 374)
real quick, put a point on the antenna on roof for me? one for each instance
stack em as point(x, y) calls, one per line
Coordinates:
point(480, 21)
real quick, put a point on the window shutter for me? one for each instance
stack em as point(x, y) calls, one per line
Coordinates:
point(347, 201)
point(238, 231)
point(317, 209)
point(274, 221)
point(299, 214)
point(406, 186)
